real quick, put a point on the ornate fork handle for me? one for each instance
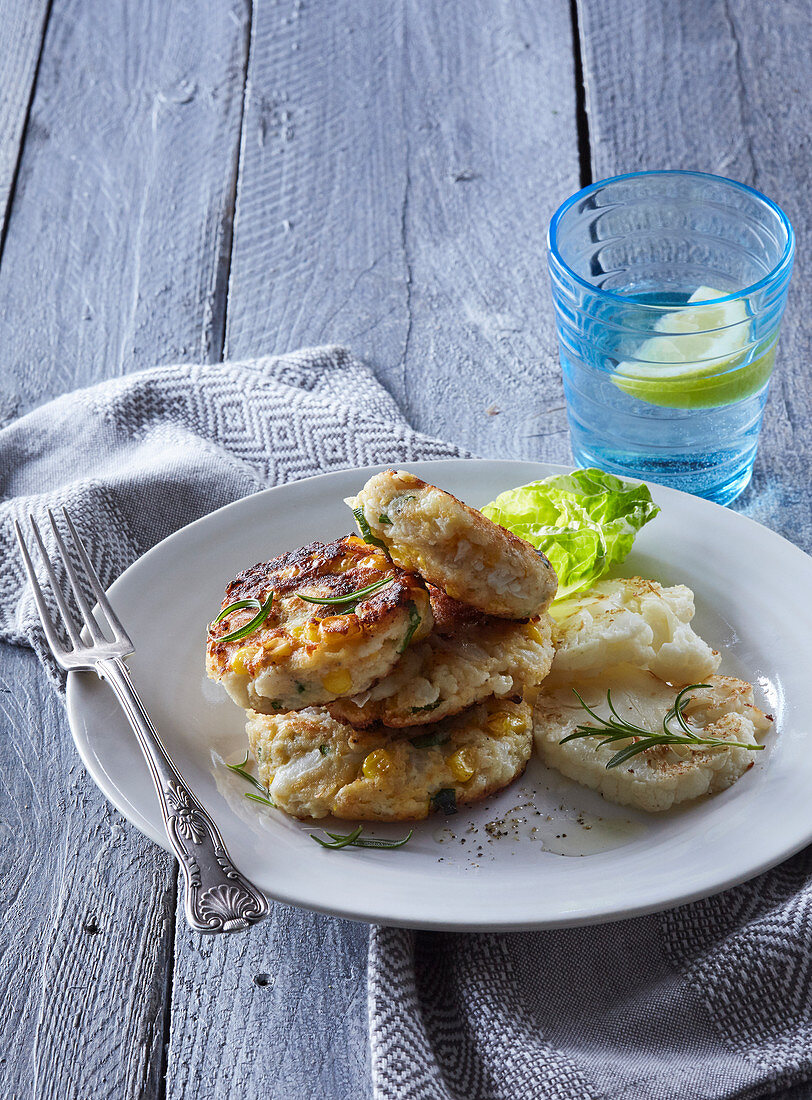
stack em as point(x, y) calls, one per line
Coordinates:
point(217, 898)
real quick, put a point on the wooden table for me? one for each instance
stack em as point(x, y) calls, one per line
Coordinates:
point(206, 179)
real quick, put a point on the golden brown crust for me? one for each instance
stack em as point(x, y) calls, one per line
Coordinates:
point(306, 653)
point(329, 569)
point(511, 540)
point(408, 481)
point(361, 811)
point(450, 615)
point(447, 673)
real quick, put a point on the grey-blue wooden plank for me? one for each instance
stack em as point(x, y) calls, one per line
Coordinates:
point(722, 86)
point(277, 1014)
point(115, 257)
point(117, 248)
point(85, 944)
point(400, 164)
point(23, 26)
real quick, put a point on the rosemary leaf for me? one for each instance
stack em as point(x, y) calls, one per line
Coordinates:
point(339, 841)
point(259, 798)
point(366, 530)
point(236, 607)
point(428, 706)
point(445, 801)
point(414, 622)
point(350, 598)
point(616, 728)
point(238, 769)
point(254, 624)
point(372, 842)
point(429, 740)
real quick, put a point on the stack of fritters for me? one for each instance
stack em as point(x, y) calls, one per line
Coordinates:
point(383, 705)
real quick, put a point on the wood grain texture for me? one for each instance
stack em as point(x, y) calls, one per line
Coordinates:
point(85, 940)
point(399, 166)
point(722, 87)
point(116, 257)
point(117, 248)
point(278, 1014)
point(23, 26)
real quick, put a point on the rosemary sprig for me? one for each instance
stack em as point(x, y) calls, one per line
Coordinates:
point(366, 530)
point(415, 620)
point(339, 841)
point(264, 610)
point(351, 597)
point(239, 769)
point(355, 840)
point(428, 706)
point(617, 728)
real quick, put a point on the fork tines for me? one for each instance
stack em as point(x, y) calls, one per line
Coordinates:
point(76, 577)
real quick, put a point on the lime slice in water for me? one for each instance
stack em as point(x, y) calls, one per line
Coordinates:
point(693, 365)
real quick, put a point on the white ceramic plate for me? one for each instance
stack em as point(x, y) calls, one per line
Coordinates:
point(544, 853)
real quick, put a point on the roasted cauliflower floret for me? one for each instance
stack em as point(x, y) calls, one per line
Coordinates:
point(636, 622)
point(663, 776)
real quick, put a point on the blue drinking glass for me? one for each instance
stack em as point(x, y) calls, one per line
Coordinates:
point(669, 289)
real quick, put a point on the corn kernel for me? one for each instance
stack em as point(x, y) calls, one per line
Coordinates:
point(310, 632)
point(239, 662)
point(352, 627)
point(461, 764)
point(504, 723)
point(376, 764)
point(277, 648)
point(337, 682)
point(347, 628)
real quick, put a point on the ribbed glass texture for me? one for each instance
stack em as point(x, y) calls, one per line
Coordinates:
point(625, 257)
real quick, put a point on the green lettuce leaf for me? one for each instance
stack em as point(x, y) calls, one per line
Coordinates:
point(584, 522)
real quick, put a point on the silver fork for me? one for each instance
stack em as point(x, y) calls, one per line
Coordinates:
point(217, 898)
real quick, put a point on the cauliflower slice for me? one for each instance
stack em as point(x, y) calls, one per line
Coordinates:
point(660, 777)
point(635, 622)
